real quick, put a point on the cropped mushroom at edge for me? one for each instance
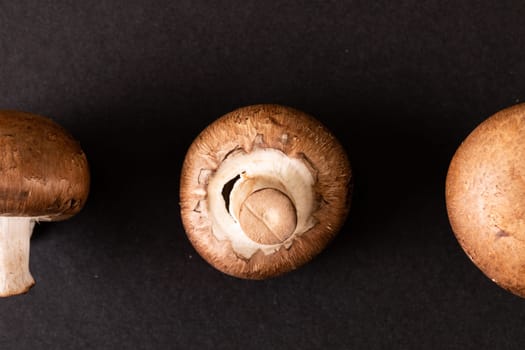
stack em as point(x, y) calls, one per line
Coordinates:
point(263, 190)
point(44, 176)
point(485, 197)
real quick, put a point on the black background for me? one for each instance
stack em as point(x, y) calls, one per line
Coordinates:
point(400, 83)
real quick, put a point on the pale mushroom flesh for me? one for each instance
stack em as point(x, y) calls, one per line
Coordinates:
point(252, 172)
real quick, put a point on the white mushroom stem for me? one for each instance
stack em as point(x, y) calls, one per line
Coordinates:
point(15, 235)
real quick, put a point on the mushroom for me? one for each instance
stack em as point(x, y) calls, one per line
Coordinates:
point(263, 190)
point(485, 197)
point(44, 176)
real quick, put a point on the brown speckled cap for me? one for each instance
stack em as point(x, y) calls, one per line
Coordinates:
point(296, 138)
point(43, 171)
point(485, 196)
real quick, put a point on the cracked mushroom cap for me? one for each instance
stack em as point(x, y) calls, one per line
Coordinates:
point(485, 196)
point(43, 172)
point(263, 190)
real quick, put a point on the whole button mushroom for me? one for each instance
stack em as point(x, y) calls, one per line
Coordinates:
point(485, 197)
point(263, 190)
point(44, 176)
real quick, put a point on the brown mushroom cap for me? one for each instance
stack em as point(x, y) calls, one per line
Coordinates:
point(43, 171)
point(297, 136)
point(485, 196)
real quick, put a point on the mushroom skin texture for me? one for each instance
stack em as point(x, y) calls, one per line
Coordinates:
point(485, 197)
point(44, 176)
point(263, 190)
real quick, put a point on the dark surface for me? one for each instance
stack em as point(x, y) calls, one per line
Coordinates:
point(400, 83)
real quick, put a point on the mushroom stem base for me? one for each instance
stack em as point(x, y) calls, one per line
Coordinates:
point(15, 235)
